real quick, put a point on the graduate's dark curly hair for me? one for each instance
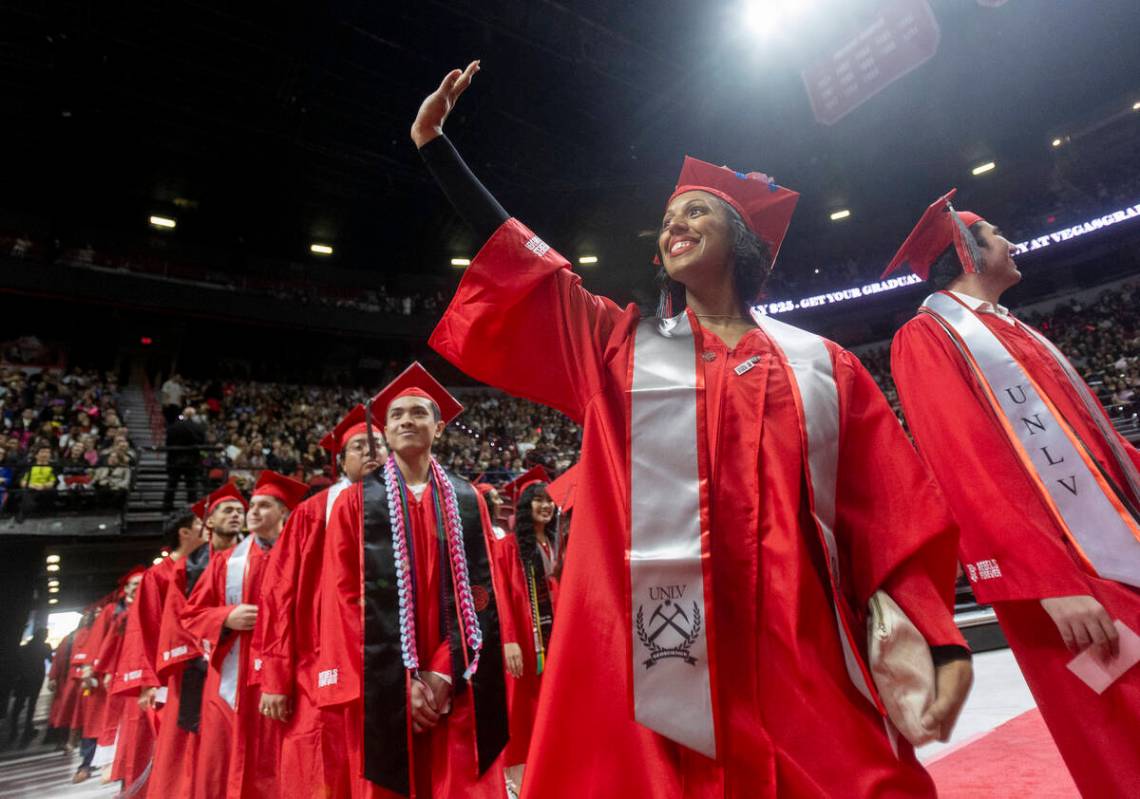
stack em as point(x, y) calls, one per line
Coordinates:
point(948, 266)
point(751, 266)
point(524, 523)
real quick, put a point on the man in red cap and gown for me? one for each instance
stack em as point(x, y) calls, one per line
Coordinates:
point(135, 677)
point(180, 664)
point(420, 671)
point(313, 754)
point(750, 492)
point(238, 754)
point(1045, 490)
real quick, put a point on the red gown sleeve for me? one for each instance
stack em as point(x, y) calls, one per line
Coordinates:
point(893, 527)
point(140, 642)
point(275, 618)
point(205, 613)
point(1002, 517)
point(519, 296)
point(512, 588)
point(342, 617)
point(99, 632)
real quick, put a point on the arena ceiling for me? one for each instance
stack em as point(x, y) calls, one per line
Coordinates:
point(265, 126)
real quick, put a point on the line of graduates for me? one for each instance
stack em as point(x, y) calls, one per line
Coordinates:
point(751, 503)
point(234, 667)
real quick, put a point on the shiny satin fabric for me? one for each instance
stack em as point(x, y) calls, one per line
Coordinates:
point(1097, 523)
point(670, 607)
point(235, 579)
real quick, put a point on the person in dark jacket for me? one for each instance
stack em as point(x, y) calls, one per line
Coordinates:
point(183, 457)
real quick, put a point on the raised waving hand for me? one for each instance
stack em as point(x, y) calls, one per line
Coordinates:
point(437, 105)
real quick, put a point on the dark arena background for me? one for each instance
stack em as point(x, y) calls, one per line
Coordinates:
point(218, 206)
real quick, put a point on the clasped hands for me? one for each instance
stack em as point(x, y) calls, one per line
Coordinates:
point(430, 700)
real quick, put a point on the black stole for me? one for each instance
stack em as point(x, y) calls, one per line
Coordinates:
point(194, 672)
point(386, 724)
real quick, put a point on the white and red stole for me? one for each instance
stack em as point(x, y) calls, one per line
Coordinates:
point(669, 591)
point(1098, 517)
point(236, 568)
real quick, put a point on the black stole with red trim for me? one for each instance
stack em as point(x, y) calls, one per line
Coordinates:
point(386, 755)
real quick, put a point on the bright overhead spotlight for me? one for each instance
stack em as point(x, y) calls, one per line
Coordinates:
point(320, 249)
point(1136, 106)
point(981, 169)
point(53, 601)
point(53, 567)
point(588, 259)
point(461, 262)
point(53, 583)
point(163, 222)
point(53, 589)
point(1057, 142)
point(52, 559)
point(841, 214)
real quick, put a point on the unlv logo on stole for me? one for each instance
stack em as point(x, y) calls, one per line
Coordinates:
point(671, 630)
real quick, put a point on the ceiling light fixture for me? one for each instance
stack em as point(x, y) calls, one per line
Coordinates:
point(588, 259)
point(981, 169)
point(53, 567)
point(320, 249)
point(163, 222)
point(52, 559)
point(840, 214)
point(461, 262)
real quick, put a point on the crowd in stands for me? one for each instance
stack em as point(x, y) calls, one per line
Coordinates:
point(63, 443)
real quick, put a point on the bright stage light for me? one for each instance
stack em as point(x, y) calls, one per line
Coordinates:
point(841, 214)
point(461, 262)
point(766, 16)
point(53, 567)
point(53, 589)
point(1057, 142)
point(52, 559)
point(1136, 106)
point(164, 222)
point(320, 249)
point(53, 601)
point(588, 259)
point(53, 583)
point(981, 169)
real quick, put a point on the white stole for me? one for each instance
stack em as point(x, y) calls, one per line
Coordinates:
point(1095, 519)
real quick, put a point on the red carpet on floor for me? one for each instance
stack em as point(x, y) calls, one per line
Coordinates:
point(1017, 759)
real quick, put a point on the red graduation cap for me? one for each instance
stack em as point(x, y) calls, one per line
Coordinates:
point(483, 488)
point(415, 382)
point(199, 508)
point(764, 206)
point(535, 474)
point(354, 423)
point(126, 578)
point(278, 486)
point(939, 227)
point(561, 488)
point(227, 492)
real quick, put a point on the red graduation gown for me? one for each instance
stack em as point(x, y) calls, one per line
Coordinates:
point(517, 625)
point(238, 746)
point(66, 689)
point(312, 754)
point(1004, 520)
point(176, 750)
point(135, 670)
point(792, 722)
point(94, 700)
point(75, 675)
point(444, 762)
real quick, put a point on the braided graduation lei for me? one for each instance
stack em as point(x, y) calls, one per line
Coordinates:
point(453, 533)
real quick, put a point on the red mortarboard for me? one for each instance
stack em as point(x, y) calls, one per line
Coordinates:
point(939, 227)
point(765, 207)
point(199, 508)
point(415, 382)
point(561, 488)
point(483, 488)
point(226, 492)
point(286, 489)
point(535, 474)
point(126, 578)
point(353, 424)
